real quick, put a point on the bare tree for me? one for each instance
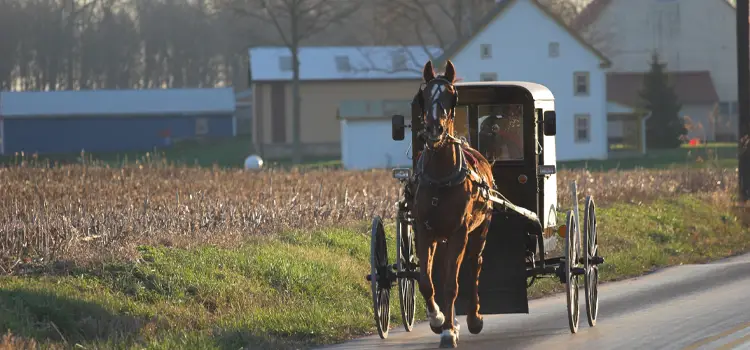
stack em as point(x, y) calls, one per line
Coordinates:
point(116, 44)
point(10, 41)
point(440, 23)
point(296, 21)
point(428, 24)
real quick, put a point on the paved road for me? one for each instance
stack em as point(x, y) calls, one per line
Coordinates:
point(690, 307)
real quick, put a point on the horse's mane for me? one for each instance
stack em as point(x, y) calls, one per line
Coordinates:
point(482, 164)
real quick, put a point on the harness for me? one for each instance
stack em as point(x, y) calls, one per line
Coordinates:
point(458, 176)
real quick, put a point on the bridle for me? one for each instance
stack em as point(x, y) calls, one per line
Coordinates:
point(442, 137)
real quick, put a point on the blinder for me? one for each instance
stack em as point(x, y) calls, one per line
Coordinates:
point(420, 100)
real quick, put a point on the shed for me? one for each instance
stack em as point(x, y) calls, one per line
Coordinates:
point(112, 120)
point(366, 141)
point(695, 90)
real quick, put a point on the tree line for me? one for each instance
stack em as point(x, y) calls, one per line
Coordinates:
point(113, 44)
point(135, 44)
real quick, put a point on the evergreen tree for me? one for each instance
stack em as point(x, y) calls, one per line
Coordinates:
point(665, 128)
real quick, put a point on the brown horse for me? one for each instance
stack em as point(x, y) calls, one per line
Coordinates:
point(451, 204)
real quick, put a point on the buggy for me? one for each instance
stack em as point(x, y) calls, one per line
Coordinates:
point(513, 124)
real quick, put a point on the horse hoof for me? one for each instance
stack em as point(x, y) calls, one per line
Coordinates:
point(448, 339)
point(475, 324)
point(437, 319)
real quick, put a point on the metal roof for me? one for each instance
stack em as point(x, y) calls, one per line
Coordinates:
point(116, 102)
point(538, 91)
point(273, 63)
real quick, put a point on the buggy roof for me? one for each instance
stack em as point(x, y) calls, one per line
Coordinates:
point(537, 91)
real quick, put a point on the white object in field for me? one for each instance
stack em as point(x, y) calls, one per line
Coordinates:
point(253, 162)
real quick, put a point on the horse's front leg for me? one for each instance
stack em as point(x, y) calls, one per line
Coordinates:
point(454, 255)
point(425, 253)
point(477, 239)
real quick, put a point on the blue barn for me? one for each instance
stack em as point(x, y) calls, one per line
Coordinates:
point(112, 120)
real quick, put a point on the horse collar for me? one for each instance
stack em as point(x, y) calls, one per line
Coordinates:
point(455, 178)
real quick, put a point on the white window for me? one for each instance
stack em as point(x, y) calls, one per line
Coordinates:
point(554, 49)
point(583, 128)
point(485, 51)
point(285, 63)
point(581, 83)
point(398, 61)
point(488, 76)
point(201, 126)
point(343, 64)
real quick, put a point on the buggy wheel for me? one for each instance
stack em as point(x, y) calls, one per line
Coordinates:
point(380, 282)
point(591, 249)
point(405, 263)
point(572, 253)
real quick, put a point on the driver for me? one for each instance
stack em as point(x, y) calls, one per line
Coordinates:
point(496, 139)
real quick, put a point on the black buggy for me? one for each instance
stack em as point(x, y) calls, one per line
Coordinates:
point(513, 124)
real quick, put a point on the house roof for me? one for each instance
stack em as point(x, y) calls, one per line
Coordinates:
point(594, 9)
point(243, 94)
point(589, 14)
point(331, 62)
point(691, 87)
point(497, 11)
point(116, 102)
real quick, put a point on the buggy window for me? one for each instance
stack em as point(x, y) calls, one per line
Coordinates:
point(461, 123)
point(501, 131)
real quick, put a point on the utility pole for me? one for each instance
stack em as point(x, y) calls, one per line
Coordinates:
point(743, 99)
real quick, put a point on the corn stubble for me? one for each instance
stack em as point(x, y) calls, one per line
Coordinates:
point(88, 213)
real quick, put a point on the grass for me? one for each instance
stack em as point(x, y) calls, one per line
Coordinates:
point(152, 255)
point(231, 152)
point(224, 153)
point(300, 288)
point(722, 155)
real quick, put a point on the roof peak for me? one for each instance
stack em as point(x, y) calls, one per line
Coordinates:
point(502, 6)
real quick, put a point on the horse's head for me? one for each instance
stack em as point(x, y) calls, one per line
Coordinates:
point(438, 99)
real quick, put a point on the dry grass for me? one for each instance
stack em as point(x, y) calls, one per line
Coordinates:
point(83, 213)
point(278, 290)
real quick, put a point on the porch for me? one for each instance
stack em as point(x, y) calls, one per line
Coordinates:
point(626, 131)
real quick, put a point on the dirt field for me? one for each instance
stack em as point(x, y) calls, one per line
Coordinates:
point(88, 213)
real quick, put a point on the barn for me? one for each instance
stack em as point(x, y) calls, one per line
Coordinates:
point(366, 139)
point(55, 122)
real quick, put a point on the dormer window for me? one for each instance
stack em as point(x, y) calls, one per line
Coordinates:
point(343, 64)
point(285, 63)
point(398, 60)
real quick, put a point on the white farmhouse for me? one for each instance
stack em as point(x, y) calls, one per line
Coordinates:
point(689, 35)
point(522, 40)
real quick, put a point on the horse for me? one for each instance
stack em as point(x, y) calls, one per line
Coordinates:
point(451, 204)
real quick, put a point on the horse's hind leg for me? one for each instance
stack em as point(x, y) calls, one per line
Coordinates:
point(425, 254)
point(477, 239)
point(453, 256)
